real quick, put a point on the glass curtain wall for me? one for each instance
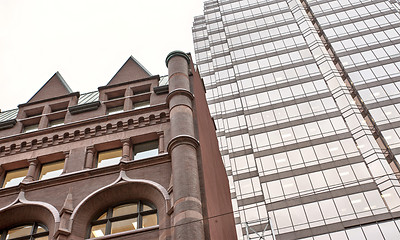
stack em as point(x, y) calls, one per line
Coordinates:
point(294, 143)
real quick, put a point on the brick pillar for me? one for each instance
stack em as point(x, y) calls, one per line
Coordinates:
point(89, 157)
point(128, 102)
point(31, 170)
point(125, 149)
point(66, 158)
point(160, 142)
point(187, 216)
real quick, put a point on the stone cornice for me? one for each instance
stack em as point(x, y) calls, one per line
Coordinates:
point(78, 133)
point(177, 53)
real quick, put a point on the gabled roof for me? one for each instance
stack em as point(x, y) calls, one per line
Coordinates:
point(54, 87)
point(131, 70)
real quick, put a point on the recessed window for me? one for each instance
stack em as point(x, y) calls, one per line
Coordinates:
point(109, 157)
point(56, 122)
point(30, 128)
point(115, 110)
point(145, 150)
point(140, 105)
point(14, 177)
point(51, 170)
point(123, 218)
point(34, 231)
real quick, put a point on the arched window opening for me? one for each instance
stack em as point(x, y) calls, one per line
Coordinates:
point(124, 217)
point(32, 231)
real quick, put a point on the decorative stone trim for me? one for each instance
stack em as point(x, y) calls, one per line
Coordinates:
point(182, 139)
point(81, 134)
point(176, 53)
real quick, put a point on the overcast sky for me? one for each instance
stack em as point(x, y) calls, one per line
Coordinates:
point(87, 41)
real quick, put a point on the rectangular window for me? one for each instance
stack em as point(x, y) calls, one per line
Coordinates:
point(51, 170)
point(115, 110)
point(14, 177)
point(140, 105)
point(109, 157)
point(31, 128)
point(145, 150)
point(56, 122)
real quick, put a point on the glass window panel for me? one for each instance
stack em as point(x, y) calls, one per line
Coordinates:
point(56, 122)
point(355, 233)
point(145, 150)
point(98, 231)
point(19, 231)
point(389, 230)
point(372, 232)
point(298, 217)
point(110, 157)
point(146, 208)
point(329, 211)
point(115, 110)
point(140, 105)
point(124, 209)
point(14, 177)
point(103, 216)
point(124, 225)
point(282, 218)
point(344, 208)
point(30, 128)
point(149, 220)
point(317, 180)
point(42, 238)
point(51, 170)
point(303, 183)
point(313, 214)
point(40, 229)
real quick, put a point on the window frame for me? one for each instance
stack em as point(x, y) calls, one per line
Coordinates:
point(109, 219)
point(33, 234)
point(5, 176)
point(107, 150)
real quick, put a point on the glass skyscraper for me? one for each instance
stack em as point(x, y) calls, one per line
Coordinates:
point(305, 95)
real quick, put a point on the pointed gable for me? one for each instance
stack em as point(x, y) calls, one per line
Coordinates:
point(131, 70)
point(54, 87)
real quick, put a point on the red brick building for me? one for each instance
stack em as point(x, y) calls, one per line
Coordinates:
point(134, 160)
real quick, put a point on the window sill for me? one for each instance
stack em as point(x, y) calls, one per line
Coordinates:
point(116, 235)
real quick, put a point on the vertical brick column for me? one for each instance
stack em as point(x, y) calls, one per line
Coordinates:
point(187, 216)
point(89, 157)
point(126, 144)
point(31, 170)
point(66, 158)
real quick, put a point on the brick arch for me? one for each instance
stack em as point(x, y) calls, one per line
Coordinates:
point(122, 190)
point(23, 211)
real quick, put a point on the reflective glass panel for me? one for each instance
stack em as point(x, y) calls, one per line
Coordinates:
point(51, 170)
point(14, 177)
point(109, 157)
point(124, 225)
point(145, 150)
point(98, 231)
point(125, 209)
point(149, 220)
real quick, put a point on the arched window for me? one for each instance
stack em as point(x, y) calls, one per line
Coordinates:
point(123, 218)
point(33, 231)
